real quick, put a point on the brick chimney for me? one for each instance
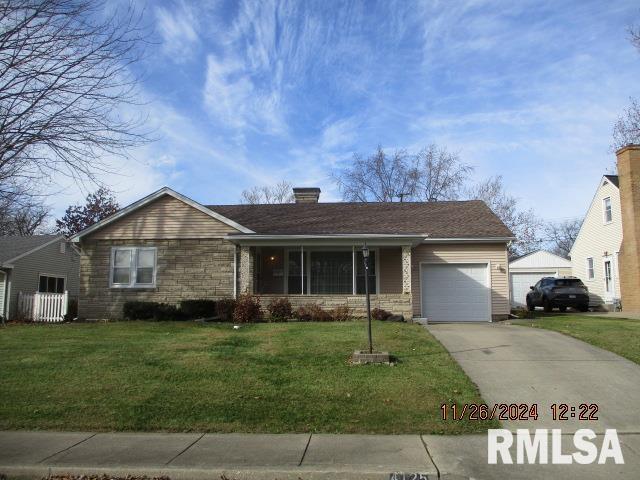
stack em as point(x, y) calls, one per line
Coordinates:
point(629, 259)
point(306, 195)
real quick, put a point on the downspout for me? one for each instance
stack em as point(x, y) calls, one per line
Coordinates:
point(235, 271)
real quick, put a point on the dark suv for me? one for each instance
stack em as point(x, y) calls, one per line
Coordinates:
point(551, 292)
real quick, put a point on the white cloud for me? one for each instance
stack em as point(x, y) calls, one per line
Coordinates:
point(340, 133)
point(179, 30)
point(232, 97)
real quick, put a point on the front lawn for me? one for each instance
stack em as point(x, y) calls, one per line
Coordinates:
point(172, 376)
point(617, 335)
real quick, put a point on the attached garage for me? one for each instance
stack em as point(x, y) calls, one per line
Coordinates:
point(455, 292)
point(527, 270)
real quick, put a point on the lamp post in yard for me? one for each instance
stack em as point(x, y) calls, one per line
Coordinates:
point(365, 256)
point(361, 356)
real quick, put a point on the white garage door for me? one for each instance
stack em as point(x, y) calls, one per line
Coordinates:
point(455, 293)
point(520, 283)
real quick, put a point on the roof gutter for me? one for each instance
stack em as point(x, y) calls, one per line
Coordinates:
point(372, 239)
point(389, 239)
point(470, 240)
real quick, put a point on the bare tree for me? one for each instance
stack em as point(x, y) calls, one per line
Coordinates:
point(634, 34)
point(378, 178)
point(626, 130)
point(430, 175)
point(561, 235)
point(64, 77)
point(22, 218)
point(441, 174)
point(281, 192)
point(524, 224)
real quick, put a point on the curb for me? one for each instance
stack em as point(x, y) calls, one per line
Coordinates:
point(256, 473)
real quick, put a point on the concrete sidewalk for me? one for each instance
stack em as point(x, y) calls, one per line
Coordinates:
point(270, 457)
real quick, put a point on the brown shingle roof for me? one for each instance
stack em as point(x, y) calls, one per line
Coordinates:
point(466, 219)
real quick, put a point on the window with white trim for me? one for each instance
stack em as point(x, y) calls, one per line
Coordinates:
point(590, 272)
point(51, 284)
point(606, 207)
point(133, 267)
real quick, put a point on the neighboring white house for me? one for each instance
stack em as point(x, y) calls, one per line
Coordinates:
point(594, 256)
point(526, 270)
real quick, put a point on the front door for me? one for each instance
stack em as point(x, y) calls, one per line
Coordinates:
point(608, 279)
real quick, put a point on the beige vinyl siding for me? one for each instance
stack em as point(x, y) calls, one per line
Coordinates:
point(596, 238)
point(390, 270)
point(495, 254)
point(166, 218)
point(25, 276)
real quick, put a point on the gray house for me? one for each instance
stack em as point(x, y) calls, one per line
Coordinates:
point(42, 263)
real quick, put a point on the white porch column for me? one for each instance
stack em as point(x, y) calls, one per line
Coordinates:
point(245, 270)
point(406, 269)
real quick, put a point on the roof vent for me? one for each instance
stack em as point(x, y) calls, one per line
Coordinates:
point(306, 195)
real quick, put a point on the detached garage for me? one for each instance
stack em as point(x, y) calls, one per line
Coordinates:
point(527, 270)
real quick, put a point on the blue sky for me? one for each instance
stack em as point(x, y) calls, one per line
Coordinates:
point(244, 93)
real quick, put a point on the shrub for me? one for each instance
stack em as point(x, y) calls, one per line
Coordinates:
point(151, 310)
point(135, 310)
point(72, 310)
point(247, 309)
point(279, 309)
point(225, 308)
point(302, 314)
point(198, 308)
point(341, 314)
point(380, 314)
point(165, 311)
point(312, 313)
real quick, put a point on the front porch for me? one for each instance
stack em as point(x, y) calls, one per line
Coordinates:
point(329, 275)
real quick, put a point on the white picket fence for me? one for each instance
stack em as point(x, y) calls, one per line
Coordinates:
point(43, 307)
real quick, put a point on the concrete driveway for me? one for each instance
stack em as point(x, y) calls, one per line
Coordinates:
point(513, 364)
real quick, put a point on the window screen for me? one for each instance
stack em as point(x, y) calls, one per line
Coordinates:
point(331, 272)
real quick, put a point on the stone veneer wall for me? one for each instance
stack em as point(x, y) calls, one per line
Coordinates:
point(398, 304)
point(186, 269)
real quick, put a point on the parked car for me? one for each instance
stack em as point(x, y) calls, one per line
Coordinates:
point(563, 292)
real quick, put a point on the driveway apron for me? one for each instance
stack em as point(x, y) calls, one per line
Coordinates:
point(521, 365)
